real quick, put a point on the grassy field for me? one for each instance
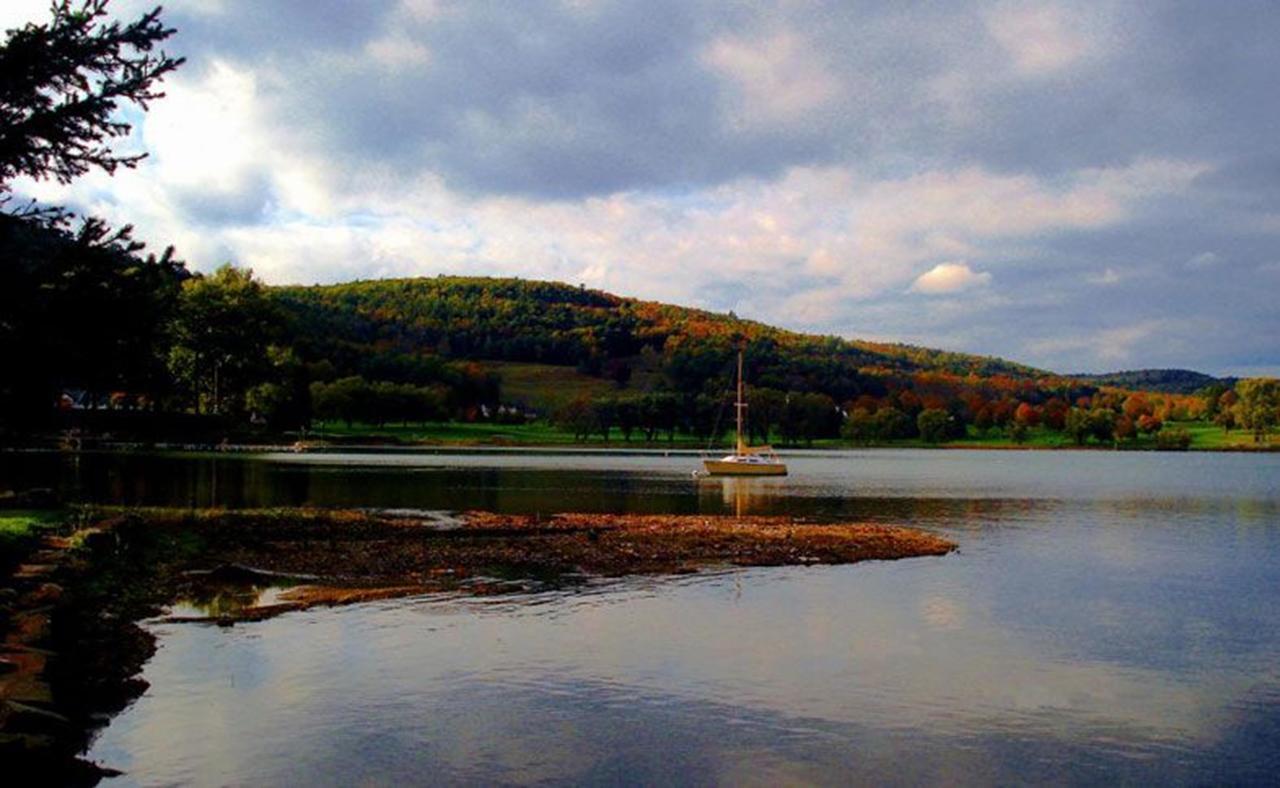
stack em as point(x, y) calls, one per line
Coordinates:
point(1206, 435)
point(546, 388)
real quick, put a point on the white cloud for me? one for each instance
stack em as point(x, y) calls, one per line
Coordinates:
point(16, 13)
point(1044, 38)
point(397, 51)
point(779, 78)
point(1107, 277)
point(205, 133)
point(1204, 260)
point(949, 278)
point(1112, 345)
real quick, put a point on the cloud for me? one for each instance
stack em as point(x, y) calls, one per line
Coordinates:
point(800, 163)
point(946, 278)
point(1112, 345)
point(1043, 38)
point(779, 79)
point(1106, 277)
point(1204, 260)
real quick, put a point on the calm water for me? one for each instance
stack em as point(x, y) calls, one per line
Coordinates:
point(1109, 618)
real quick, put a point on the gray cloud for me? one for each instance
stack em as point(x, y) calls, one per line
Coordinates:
point(654, 146)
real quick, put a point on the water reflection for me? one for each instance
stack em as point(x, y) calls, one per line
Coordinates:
point(743, 496)
point(228, 601)
point(831, 674)
point(1109, 618)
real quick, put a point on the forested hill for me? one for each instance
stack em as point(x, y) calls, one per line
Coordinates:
point(392, 323)
point(1168, 381)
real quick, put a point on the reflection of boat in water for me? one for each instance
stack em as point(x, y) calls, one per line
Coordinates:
point(745, 495)
point(746, 460)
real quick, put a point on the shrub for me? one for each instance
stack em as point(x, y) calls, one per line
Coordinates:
point(1174, 439)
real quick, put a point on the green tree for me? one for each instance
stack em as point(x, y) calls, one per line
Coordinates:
point(345, 399)
point(933, 425)
point(1258, 409)
point(1076, 425)
point(605, 415)
point(893, 424)
point(628, 413)
point(1102, 424)
point(860, 427)
point(764, 408)
point(222, 333)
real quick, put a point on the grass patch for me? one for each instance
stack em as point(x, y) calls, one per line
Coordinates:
point(19, 530)
point(22, 524)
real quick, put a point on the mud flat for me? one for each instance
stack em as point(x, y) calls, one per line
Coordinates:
point(341, 557)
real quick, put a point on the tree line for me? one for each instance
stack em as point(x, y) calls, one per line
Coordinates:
point(1107, 417)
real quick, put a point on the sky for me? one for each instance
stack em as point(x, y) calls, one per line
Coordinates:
point(1082, 187)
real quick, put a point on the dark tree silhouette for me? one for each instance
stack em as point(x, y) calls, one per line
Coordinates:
point(62, 82)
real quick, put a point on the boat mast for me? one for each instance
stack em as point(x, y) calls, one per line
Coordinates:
point(741, 406)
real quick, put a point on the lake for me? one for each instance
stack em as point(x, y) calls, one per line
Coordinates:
point(1109, 617)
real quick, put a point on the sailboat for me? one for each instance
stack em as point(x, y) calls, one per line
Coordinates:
point(746, 460)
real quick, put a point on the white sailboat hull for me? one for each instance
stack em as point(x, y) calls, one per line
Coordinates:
point(750, 465)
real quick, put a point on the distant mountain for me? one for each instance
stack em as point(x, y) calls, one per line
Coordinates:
point(389, 323)
point(1168, 381)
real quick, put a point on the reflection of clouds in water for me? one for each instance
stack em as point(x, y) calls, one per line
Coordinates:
point(941, 612)
point(542, 691)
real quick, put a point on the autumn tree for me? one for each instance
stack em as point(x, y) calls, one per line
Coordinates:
point(1226, 416)
point(1026, 415)
point(1054, 414)
point(1150, 424)
point(1136, 406)
point(1125, 428)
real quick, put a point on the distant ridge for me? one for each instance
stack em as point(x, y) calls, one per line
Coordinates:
point(1167, 381)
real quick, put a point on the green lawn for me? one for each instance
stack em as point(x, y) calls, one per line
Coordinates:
point(1206, 435)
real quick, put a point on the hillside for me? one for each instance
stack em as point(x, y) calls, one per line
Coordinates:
point(1168, 381)
point(383, 328)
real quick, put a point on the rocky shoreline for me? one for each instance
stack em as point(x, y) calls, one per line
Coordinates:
point(73, 648)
